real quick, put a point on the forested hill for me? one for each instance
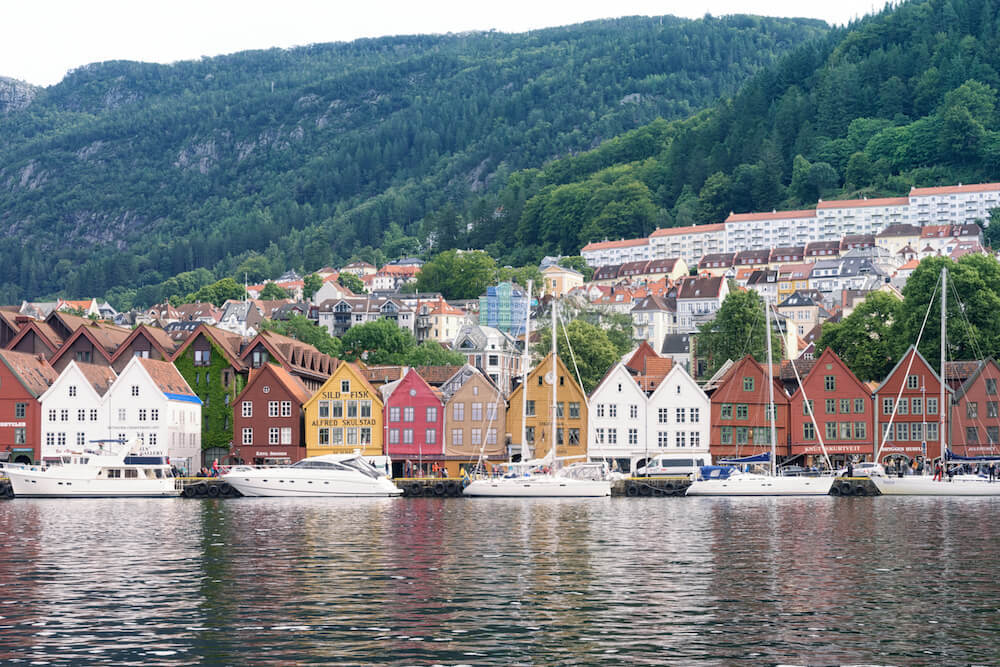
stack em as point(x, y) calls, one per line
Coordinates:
point(904, 98)
point(125, 174)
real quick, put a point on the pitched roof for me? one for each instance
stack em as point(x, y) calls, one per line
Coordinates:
point(166, 377)
point(772, 215)
point(100, 377)
point(231, 344)
point(863, 203)
point(724, 258)
point(290, 382)
point(899, 230)
point(607, 245)
point(955, 189)
point(691, 229)
point(35, 374)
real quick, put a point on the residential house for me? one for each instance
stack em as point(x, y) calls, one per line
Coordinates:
point(848, 217)
point(793, 278)
point(688, 243)
point(559, 280)
point(698, 299)
point(943, 239)
point(654, 317)
point(786, 255)
point(302, 360)
point(472, 431)
point(330, 290)
point(607, 252)
point(974, 429)
point(677, 348)
point(896, 237)
point(345, 415)
point(492, 351)
point(271, 428)
point(74, 413)
point(763, 231)
point(24, 378)
point(439, 321)
point(93, 343)
point(241, 317)
point(908, 401)
point(822, 250)
point(955, 204)
point(146, 342)
point(752, 259)
point(504, 307)
point(616, 427)
point(570, 413)
point(765, 283)
point(717, 264)
point(741, 418)
point(359, 269)
point(804, 310)
point(677, 418)
point(414, 422)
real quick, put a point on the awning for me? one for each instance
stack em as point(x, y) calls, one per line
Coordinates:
point(764, 457)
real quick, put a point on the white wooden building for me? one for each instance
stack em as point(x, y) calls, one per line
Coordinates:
point(73, 410)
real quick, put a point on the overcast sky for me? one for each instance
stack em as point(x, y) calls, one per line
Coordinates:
point(42, 39)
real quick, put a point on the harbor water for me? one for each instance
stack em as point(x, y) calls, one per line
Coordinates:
point(492, 581)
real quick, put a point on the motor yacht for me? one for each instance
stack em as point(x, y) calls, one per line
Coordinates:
point(316, 476)
point(94, 473)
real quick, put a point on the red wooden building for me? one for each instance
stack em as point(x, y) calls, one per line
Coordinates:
point(414, 420)
point(910, 398)
point(739, 412)
point(23, 378)
point(975, 413)
point(268, 419)
point(842, 408)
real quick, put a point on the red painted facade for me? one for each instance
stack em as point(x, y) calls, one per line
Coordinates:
point(414, 418)
point(975, 415)
point(275, 418)
point(739, 419)
point(917, 411)
point(23, 378)
point(841, 406)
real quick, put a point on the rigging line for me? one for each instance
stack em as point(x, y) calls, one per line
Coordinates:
point(753, 326)
point(902, 385)
point(808, 403)
point(571, 355)
point(481, 461)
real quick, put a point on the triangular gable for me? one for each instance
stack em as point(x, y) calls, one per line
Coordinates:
point(351, 369)
point(735, 374)
point(74, 374)
point(967, 385)
point(900, 364)
point(544, 367)
point(35, 375)
point(829, 356)
point(82, 332)
point(32, 328)
point(217, 338)
point(678, 372)
point(292, 384)
point(145, 332)
point(620, 370)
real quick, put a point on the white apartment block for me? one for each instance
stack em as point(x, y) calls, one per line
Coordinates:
point(689, 243)
point(605, 253)
point(760, 231)
point(860, 216)
point(953, 204)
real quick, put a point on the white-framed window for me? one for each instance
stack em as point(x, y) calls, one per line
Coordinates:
point(273, 435)
point(458, 412)
point(154, 415)
point(272, 409)
point(612, 436)
point(81, 439)
point(456, 436)
point(408, 414)
point(152, 440)
point(633, 436)
point(633, 412)
point(407, 436)
point(393, 436)
point(247, 409)
point(247, 436)
point(135, 390)
point(477, 436)
point(695, 438)
point(72, 390)
point(64, 415)
point(286, 409)
point(93, 415)
point(61, 439)
point(81, 415)
point(50, 439)
point(286, 436)
point(477, 412)
point(52, 415)
point(430, 436)
point(122, 414)
point(613, 410)
point(432, 415)
point(600, 409)
point(600, 436)
point(680, 439)
point(680, 415)
point(394, 414)
point(142, 414)
point(662, 415)
point(694, 415)
point(491, 436)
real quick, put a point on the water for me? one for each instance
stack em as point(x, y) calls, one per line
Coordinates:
point(491, 581)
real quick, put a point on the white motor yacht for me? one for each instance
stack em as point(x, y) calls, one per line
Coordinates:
point(754, 484)
point(316, 476)
point(925, 485)
point(532, 480)
point(98, 473)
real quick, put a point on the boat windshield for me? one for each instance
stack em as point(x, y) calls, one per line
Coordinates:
point(362, 466)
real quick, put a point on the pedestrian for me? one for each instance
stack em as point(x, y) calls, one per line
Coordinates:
point(938, 470)
point(850, 467)
point(992, 471)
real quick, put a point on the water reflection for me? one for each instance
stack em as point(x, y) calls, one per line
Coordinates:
point(273, 581)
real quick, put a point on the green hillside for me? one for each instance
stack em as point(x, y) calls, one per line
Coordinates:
point(125, 174)
point(905, 98)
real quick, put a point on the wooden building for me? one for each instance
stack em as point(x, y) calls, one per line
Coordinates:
point(908, 402)
point(571, 412)
point(740, 426)
point(345, 415)
point(268, 423)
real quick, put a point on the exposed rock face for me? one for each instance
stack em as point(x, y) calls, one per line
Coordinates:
point(15, 95)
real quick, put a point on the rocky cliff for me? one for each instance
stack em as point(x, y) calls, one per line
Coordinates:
point(15, 95)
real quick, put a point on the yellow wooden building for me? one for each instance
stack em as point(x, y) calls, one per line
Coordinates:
point(571, 412)
point(344, 415)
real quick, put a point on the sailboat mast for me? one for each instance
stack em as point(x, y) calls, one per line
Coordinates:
point(555, 375)
point(942, 408)
point(525, 454)
point(770, 391)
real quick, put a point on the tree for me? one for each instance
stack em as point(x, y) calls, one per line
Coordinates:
point(864, 338)
point(379, 342)
point(311, 285)
point(737, 330)
point(589, 347)
point(302, 328)
point(351, 282)
point(272, 292)
point(521, 276)
point(217, 293)
point(431, 353)
point(991, 232)
point(577, 263)
point(458, 275)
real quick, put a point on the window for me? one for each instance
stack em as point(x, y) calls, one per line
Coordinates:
point(916, 406)
point(20, 410)
point(725, 412)
point(248, 436)
point(902, 431)
point(903, 407)
point(324, 409)
point(142, 414)
point(432, 414)
point(916, 431)
point(807, 406)
point(829, 383)
point(633, 411)
point(830, 430)
point(247, 409)
point(72, 390)
point(971, 435)
point(366, 409)
point(457, 436)
point(458, 412)
point(748, 384)
point(273, 435)
point(633, 436)
point(286, 408)
point(680, 439)
point(859, 406)
point(83, 355)
point(991, 385)
point(529, 409)
point(742, 411)
point(887, 406)
point(725, 435)
point(272, 409)
point(613, 411)
point(50, 439)
point(154, 415)
point(202, 357)
point(430, 436)
point(972, 409)
point(574, 410)
point(135, 389)
point(336, 436)
point(694, 416)
point(477, 412)
point(808, 432)
point(932, 431)
point(860, 430)
point(366, 435)
point(408, 436)
point(64, 415)
point(352, 409)
point(81, 415)
point(20, 436)
point(932, 405)
point(409, 414)
point(612, 436)
point(679, 415)
point(663, 438)
point(529, 433)
point(992, 432)
point(695, 439)
point(831, 406)
point(991, 409)
point(345, 386)
point(599, 434)
point(845, 430)
point(845, 406)
point(121, 414)
point(600, 409)
point(913, 382)
point(52, 415)
point(741, 433)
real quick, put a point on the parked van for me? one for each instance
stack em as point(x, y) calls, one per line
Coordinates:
point(671, 465)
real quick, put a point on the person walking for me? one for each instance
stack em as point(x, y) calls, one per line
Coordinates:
point(938, 472)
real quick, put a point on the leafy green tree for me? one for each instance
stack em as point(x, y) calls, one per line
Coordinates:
point(737, 330)
point(457, 275)
point(431, 353)
point(379, 342)
point(273, 292)
point(217, 293)
point(310, 285)
point(589, 347)
point(864, 338)
point(302, 328)
point(991, 232)
point(253, 269)
point(578, 263)
point(351, 282)
point(521, 276)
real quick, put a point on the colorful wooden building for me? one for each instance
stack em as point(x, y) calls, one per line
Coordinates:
point(344, 415)
point(269, 419)
point(842, 408)
point(571, 412)
point(974, 429)
point(908, 402)
point(477, 427)
point(23, 379)
point(414, 423)
point(740, 424)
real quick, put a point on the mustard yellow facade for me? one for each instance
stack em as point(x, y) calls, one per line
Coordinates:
point(344, 415)
point(571, 412)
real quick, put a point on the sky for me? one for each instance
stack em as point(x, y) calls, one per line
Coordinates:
point(43, 39)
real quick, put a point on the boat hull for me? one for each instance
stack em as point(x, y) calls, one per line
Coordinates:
point(761, 485)
point(41, 484)
point(277, 485)
point(920, 485)
point(537, 487)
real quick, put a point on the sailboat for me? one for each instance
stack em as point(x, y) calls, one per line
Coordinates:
point(535, 478)
point(739, 483)
point(926, 485)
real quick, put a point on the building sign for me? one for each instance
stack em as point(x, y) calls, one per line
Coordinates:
point(12, 425)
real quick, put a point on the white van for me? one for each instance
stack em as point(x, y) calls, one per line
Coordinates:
point(671, 465)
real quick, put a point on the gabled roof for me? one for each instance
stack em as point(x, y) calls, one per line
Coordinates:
point(654, 302)
point(971, 381)
point(229, 343)
point(734, 375)
point(157, 337)
point(899, 230)
point(293, 355)
point(459, 379)
point(606, 272)
point(99, 377)
point(291, 383)
point(34, 374)
point(353, 369)
point(701, 288)
point(724, 258)
point(899, 364)
point(43, 331)
point(167, 378)
point(818, 366)
point(753, 257)
point(105, 340)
